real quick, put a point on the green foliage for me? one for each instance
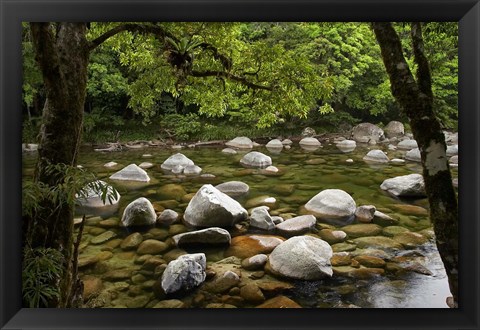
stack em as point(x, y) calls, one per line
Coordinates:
point(32, 77)
point(42, 270)
point(182, 127)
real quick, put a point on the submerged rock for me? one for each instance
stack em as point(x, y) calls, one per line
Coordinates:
point(297, 226)
point(210, 207)
point(233, 188)
point(376, 156)
point(303, 258)
point(241, 142)
point(229, 151)
point(213, 235)
point(248, 246)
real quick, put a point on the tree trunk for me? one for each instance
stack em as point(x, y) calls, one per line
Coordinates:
point(416, 99)
point(62, 54)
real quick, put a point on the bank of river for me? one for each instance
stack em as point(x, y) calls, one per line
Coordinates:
point(118, 276)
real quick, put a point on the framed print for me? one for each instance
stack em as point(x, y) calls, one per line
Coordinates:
point(239, 164)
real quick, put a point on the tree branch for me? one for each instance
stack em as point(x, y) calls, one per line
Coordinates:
point(230, 76)
point(226, 61)
point(424, 79)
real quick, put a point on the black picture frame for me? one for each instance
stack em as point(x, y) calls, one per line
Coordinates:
point(466, 12)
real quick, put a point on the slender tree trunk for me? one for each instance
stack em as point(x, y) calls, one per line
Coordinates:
point(62, 54)
point(416, 99)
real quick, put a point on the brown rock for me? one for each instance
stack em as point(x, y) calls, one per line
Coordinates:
point(91, 286)
point(132, 241)
point(248, 246)
point(252, 293)
point(151, 246)
point(341, 259)
point(279, 302)
point(362, 229)
point(117, 275)
point(273, 287)
point(369, 261)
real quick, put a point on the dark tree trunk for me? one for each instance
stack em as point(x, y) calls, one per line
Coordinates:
point(416, 99)
point(62, 53)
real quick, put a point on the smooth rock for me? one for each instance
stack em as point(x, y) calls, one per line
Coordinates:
point(411, 185)
point(151, 246)
point(365, 132)
point(332, 236)
point(394, 129)
point(233, 188)
point(171, 303)
point(413, 155)
point(256, 159)
point(308, 132)
point(410, 239)
point(175, 161)
point(259, 218)
point(310, 142)
point(252, 293)
point(145, 165)
point(132, 241)
point(275, 144)
point(362, 229)
point(287, 142)
point(302, 257)
point(297, 225)
point(241, 142)
point(272, 169)
point(397, 161)
point(229, 151)
point(376, 156)
point(279, 302)
point(110, 164)
point(131, 173)
point(377, 242)
point(248, 246)
point(167, 217)
point(365, 213)
point(192, 170)
point(407, 145)
point(171, 191)
point(89, 200)
point(255, 262)
point(452, 150)
point(102, 238)
point(212, 235)
point(346, 145)
point(140, 212)
point(332, 205)
point(210, 207)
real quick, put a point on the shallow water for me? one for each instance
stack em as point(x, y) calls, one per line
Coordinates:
point(302, 175)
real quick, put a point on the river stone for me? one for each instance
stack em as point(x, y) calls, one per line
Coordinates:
point(413, 155)
point(110, 164)
point(151, 246)
point(364, 213)
point(140, 212)
point(184, 273)
point(233, 188)
point(370, 261)
point(248, 246)
point(170, 303)
point(452, 150)
point(410, 240)
point(394, 129)
point(377, 242)
point(255, 262)
point(29, 147)
point(310, 142)
point(132, 241)
point(212, 235)
point(303, 258)
point(102, 238)
point(411, 185)
point(279, 302)
point(453, 160)
point(362, 229)
point(271, 169)
point(252, 293)
point(177, 160)
point(297, 226)
point(397, 161)
point(241, 142)
point(171, 191)
point(256, 159)
point(192, 170)
point(210, 207)
point(222, 283)
point(263, 200)
point(167, 217)
point(308, 132)
point(383, 219)
point(407, 144)
point(332, 205)
point(287, 142)
point(346, 145)
point(409, 209)
point(393, 230)
point(145, 165)
point(131, 173)
point(332, 236)
point(376, 156)
point(229, 151)
point(91, 286)
point(365, 132)
point(259, 218)
point(275, 144)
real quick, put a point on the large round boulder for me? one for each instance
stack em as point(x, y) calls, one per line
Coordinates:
point(411, 185)
point(256, 159)
point(366, 132)
point(210, 208)
point(394, 129)
point(140, 212)
point(89, 200)
point(310, 142)
point(274, 144)
point(131, 173)
point(177, 161)
point(302, 258)
point(233, 188)
point(346, 145)
point(376, 156)
point(241, 142)
point(332, 205)
point(184, 273)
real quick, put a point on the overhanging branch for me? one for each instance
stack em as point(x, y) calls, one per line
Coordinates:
point(230, 76)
